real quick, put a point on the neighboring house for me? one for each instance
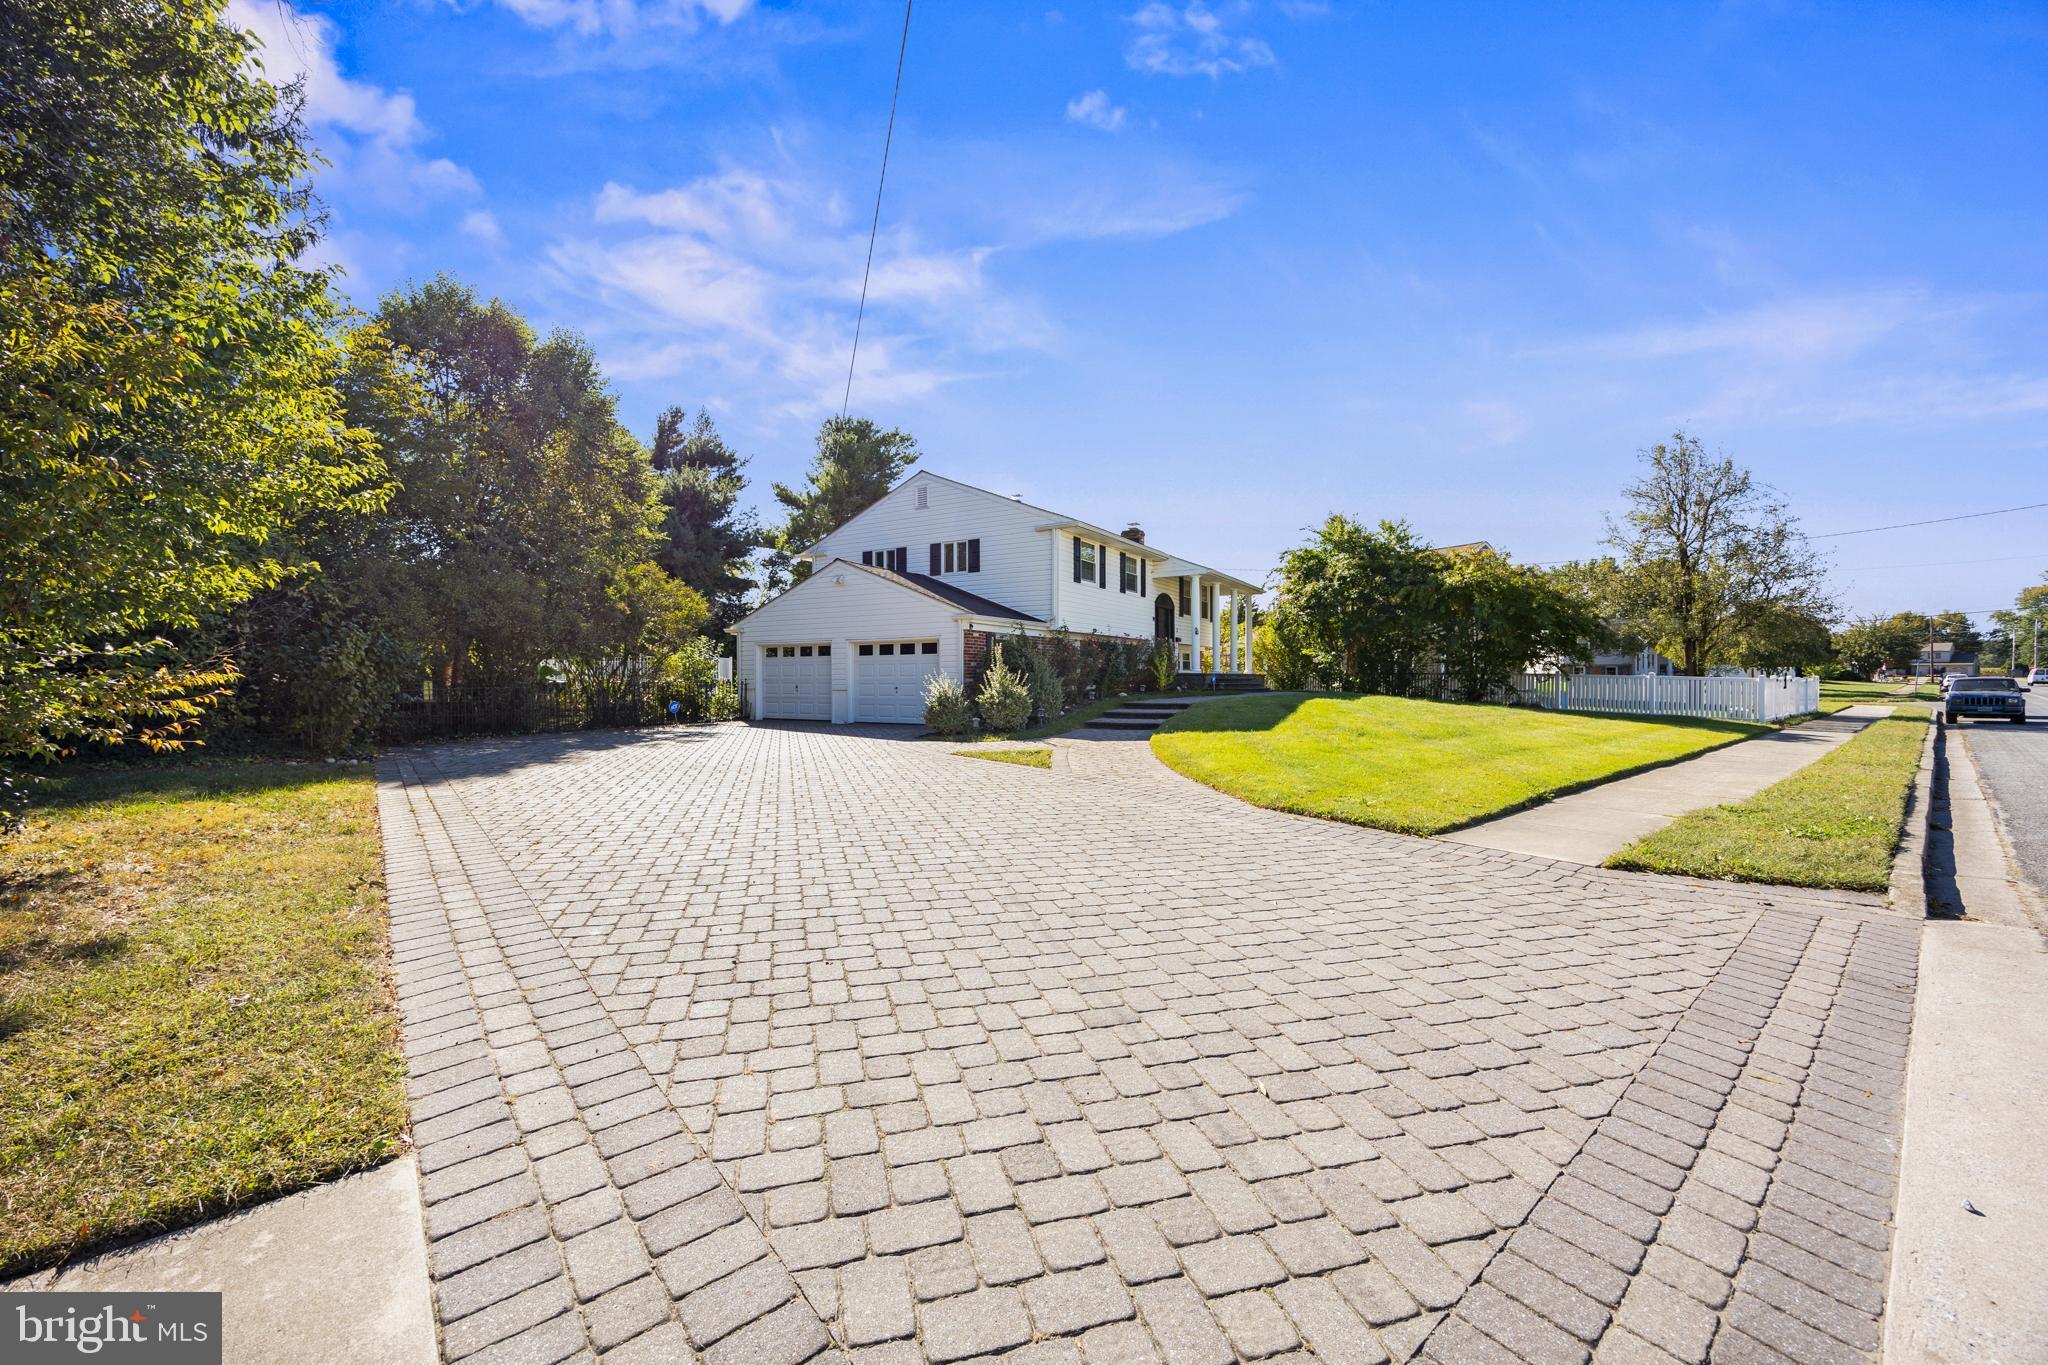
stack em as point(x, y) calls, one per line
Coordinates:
point(1621, 664)
point(1942, 658)
point(924, 580)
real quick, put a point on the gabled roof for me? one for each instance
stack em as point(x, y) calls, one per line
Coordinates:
point(969, 603)
point(1060, 522)
point(944, 591)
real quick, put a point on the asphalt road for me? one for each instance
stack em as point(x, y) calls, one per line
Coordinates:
point(2012, 764)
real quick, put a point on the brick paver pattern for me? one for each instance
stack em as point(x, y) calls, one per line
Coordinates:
point(754, 1044)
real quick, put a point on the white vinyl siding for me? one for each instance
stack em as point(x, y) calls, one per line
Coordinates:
point(862, 608)
point(1012, 548)
point(1100, 607)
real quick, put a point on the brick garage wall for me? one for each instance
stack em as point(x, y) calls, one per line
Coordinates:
point(975, 654)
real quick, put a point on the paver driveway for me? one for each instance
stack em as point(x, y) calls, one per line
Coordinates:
point(754, 1043)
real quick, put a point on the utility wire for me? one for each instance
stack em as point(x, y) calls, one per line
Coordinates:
point(876, 226)
point(1931, 521)
point(1896, 526)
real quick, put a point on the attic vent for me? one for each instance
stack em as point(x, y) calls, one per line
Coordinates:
point(924, 497)
point(1135, 532)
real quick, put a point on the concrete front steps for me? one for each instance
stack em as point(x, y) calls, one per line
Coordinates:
point(1141, 713)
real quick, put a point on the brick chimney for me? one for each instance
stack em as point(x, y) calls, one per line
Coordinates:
point(1135, 532)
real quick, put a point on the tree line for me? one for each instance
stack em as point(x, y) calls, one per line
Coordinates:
point(228, 496)
point(1708, 567)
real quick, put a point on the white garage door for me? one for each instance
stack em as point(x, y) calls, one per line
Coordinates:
point(796, 682)
point(888, 680)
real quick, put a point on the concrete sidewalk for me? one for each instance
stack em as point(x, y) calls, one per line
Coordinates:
point(1971, 1253)
point(1589, 826)
point(337, 1273)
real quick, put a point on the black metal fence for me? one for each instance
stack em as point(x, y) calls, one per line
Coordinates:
point(539, 708)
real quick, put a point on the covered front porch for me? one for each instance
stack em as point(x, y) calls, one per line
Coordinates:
point(1207, 615)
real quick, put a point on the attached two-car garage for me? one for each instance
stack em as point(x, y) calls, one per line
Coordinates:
point(854, 643)
point(888, 681)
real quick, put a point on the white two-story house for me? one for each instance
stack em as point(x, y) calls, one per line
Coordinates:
point(925, 579)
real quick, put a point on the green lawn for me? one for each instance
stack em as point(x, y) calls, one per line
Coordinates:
point(1834, 696)
point(1421, 767)
point(193, 1006)
point(1029, 758)
point(1833, 824)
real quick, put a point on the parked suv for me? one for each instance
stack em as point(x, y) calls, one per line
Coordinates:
point(1984, 699)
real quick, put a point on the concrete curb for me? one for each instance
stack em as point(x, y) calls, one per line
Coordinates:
point(1908, 889)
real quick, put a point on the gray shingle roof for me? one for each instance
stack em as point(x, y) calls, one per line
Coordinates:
point(940, 588)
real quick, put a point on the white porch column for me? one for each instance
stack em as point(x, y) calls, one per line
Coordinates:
point(1236, 618)
point(1195, 623)
point(1249, 666)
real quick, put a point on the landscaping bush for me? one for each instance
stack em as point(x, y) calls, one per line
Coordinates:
point(1004, 699)
point(1163, 666)
point(945, 707)
point(1041, 679)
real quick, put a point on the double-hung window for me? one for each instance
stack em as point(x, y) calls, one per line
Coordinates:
point(1127, 579)
point(956, 556)
point(1086, 563)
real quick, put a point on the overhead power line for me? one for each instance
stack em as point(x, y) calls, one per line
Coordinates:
point(874, 228)
point(1896, 526)
point(1931, 521)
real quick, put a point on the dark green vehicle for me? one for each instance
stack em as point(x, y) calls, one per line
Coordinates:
point(1984, 699)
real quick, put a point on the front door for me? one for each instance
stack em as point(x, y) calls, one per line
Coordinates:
point(1162, 617)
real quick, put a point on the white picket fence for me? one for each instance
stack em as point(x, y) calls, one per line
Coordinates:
point(1652, 694)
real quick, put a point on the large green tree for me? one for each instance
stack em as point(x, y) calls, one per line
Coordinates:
point(856, 463)
point(2017, 631)
point(521, 497)
point(168, 366)
point(1870, 643)
point(1373, 609)
point(706, 542)
point(1709, 558)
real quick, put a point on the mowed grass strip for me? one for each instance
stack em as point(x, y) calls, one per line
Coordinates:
point(1837, 696)
point(1027, 758)
point(194, 1011)
point(1419, 767)
point(1834, 824)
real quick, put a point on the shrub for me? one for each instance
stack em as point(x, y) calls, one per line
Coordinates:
point(1041, 678)
point(1005, 699)
point(723, 702)
point(945, 707)
point(1163, 666)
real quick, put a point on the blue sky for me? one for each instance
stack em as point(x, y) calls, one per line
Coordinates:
point(1224, 268)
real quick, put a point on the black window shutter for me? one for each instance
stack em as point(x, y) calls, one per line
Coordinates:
point(1183, 597)
point(1077, 559)
point(1141, 574)
point(867, 557)
point(935, 557)
point(974, 556)
point(902, 564)
point(1102, 566)
point(1123, 563)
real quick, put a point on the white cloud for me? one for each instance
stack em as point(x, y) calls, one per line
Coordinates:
point(1095, 110)
point(370, 135)
point(482, 225)
point(1902, 355)
point(1193, 40)
point(754, 276)
point(622, 18)
point(747, 277)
